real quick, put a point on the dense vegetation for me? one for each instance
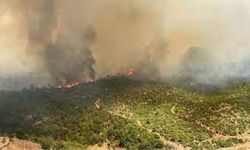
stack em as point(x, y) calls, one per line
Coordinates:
point(133, 114)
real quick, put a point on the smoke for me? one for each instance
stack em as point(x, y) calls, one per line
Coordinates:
point(209, 40)
point(63, 45)
point(59, 41)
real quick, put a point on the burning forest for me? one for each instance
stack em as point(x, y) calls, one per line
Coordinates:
point(49, 41)
point(124, 74)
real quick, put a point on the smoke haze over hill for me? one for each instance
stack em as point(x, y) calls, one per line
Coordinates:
point(59, 41)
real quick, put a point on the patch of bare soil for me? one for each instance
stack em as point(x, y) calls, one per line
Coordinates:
point(245, 146)
point(104, 146)
point(16, 144)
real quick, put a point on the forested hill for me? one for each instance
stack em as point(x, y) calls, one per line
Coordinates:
point(121, 112)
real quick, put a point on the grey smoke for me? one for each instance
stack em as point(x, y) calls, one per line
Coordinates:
point(66, 64)
point(66, 60)
point(66, 40)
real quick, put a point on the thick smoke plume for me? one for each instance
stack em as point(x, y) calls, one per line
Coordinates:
point(83, 39)
point(59, 41)
point(65, 51)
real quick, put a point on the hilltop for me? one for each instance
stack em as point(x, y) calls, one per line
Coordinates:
point(122, 112)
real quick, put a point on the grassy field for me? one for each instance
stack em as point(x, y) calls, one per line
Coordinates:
point(127, 113)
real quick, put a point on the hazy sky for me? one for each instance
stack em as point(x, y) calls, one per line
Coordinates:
point(127, 31)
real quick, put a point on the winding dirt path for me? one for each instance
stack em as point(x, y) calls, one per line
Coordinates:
point(168, 143)
point(243, 146)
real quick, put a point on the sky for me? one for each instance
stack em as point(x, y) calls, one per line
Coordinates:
point(49, 38)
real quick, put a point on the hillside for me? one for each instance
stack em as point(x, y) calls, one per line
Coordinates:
point(121, 112)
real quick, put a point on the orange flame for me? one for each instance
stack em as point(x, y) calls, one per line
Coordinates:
point(130, 71)
point(68, 85)
point(74, 84)
point(127, 71)
point(124, 71)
